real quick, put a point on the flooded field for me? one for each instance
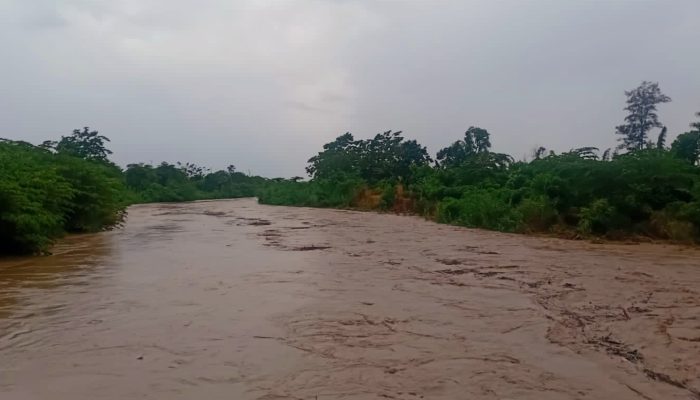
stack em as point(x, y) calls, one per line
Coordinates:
point(234, 300)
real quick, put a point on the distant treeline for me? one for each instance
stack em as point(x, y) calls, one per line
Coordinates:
point(71, 186)
point(643, 187)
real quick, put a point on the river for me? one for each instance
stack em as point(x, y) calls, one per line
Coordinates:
point(235, 300)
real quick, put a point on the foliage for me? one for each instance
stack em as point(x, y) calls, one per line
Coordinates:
point(480, 208)
point(85, 144)
point(696, 125)
point(45, 194)
point(650, 191)
point(642, 116)
point(318, 193)
point(687, 147)
point(476, 140)
point(385, 157)
point(71, 186)
point(187, 182)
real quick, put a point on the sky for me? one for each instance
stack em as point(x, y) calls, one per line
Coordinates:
point(264, 84)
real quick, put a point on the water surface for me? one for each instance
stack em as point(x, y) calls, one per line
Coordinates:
point(234, 300)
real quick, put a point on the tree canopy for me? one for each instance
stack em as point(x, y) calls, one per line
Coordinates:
point(642, 116)
point(86, 144)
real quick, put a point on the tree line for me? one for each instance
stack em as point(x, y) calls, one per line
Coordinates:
point(641, 187)
point(70, 185)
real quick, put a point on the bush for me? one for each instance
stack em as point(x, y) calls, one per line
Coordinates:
point(537, 214)
point(599, 218)
point(43, 195)
point(319, 193)
point(480, 208)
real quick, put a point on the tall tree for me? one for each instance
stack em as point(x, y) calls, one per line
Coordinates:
point(476, 140)
point(339, 157)
point(661, 140)
point(388, 156)
point(86, 144)
point(642, 116)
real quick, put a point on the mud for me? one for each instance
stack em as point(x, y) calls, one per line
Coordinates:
point(233, 300)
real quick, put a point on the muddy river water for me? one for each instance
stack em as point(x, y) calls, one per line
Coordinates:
point(235, 300)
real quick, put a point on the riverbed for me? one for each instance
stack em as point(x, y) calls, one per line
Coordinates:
point(235, 300)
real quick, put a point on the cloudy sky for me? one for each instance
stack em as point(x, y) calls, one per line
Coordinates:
point(263, 84)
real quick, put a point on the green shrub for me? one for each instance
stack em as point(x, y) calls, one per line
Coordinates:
point(480, 208)
point(537, 214)
point(43, 195)
point(598, 218)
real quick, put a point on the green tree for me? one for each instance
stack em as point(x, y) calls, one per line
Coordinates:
point(387, 156)
point(338, 158)
point(86, 144)
point(44, 194)
point(661, 140)
point(687, 147)
point(476, 140)
point(642, 116)
point(139, 176)
point(587, 153)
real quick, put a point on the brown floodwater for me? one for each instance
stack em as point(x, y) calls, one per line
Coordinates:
point(235, 300)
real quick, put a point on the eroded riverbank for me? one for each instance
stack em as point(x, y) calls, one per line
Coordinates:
point(231, 299)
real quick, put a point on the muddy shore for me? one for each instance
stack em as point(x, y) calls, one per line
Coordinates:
point(235, 300)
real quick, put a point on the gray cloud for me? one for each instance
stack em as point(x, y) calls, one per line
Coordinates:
point(264, 84)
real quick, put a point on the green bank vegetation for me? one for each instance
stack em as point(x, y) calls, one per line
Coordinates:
point(71, 186)
point(643, 187)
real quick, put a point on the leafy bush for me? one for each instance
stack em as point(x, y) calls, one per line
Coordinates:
point(537, 214)
point(319, 193)
point(44, 194)
point(599, 217)
point(480, 208)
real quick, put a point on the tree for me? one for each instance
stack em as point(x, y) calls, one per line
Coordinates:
point(86, 144)
point(192, 170)
point(661, 140)
point(696, 125)
point(587, 153)
point(388, 157)
point(339, 157)
point(687, 147)
point(476, 140)
point(139, 176)
point(539, 153)
point(642, 116)
point(384, 157)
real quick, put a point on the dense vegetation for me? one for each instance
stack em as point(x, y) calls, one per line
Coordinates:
point(650, 189)
point(643, 187)
point(186, 182)
point(55, 188)
point(71, 186)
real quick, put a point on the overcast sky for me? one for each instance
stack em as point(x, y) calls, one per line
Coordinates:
point(263, 84)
